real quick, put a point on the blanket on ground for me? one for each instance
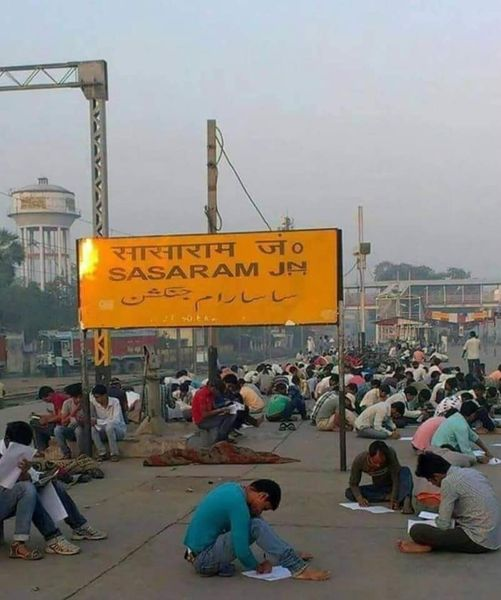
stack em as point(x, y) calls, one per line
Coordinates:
point(222, 453)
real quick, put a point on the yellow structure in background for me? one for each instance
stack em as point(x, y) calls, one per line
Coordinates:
point(228, 279)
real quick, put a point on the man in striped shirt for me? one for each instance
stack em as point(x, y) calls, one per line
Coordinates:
point(466, 496)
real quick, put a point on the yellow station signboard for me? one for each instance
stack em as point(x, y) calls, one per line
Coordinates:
point(228, 279)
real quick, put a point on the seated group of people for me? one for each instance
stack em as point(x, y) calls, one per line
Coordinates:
point(468, 518)
point(23, 502)
point(65, 420)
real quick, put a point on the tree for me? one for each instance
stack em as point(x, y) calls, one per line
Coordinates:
point(388, 271)
point(11, 256)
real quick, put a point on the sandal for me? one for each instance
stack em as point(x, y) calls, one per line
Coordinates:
point(291, 427)
point(29, 554)
point(283, 427)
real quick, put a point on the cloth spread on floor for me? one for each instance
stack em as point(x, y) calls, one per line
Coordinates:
point(221, 453)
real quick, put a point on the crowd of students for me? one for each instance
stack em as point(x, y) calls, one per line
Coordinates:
point(450, 409)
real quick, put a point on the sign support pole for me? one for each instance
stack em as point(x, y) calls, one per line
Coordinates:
point(87, 438)
point(342, 403)
point(211, 212)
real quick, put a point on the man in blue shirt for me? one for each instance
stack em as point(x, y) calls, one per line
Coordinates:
point(455, 432)
point(227, 522)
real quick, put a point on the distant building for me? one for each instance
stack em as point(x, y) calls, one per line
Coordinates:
point(44, 214)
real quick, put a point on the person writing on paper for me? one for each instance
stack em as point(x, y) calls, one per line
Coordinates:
point(390, 481)
point(206, 416)
point(376, 421)
point(109, 424)
point(20, 432)
point(44, 425)
point(228, 521)
point(71, 421)
point(456, 434)
point(467, 497)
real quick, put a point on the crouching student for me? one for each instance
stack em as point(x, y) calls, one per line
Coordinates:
point(466, 497)
point(228, 521)
point(376, 421)
point(390, 481)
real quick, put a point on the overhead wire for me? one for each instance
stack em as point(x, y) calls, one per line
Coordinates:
point(237, 175)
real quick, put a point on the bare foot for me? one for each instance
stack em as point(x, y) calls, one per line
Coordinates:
point(310, 574)
point(408, 547)
point(306, 556)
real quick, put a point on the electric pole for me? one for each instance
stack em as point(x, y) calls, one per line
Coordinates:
point(363, 249)
point(211, 212)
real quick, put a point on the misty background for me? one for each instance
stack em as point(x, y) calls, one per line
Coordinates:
point(324, 105)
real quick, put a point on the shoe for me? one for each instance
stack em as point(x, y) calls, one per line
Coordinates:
point(114, 458)
point(87, 532)
point(60, 545)
point(102, 458)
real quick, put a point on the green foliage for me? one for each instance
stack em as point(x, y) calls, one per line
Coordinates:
point(11, 256)
point(388, 271)
point(29, 309)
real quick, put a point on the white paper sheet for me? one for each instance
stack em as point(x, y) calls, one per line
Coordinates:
point(494, 461)
point(424, 514)
point(235, 407)
point(9, 469)
point(377, 510)
point(405, 439)
point(412, 522)
point(276, 574)
point(50, 501)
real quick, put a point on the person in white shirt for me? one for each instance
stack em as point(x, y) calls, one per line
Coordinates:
point(376, 422)
point(418, 371)
point(471, 351)
point(109, 423)
point(378, 393)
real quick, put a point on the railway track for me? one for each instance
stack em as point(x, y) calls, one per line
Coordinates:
point(29, 395)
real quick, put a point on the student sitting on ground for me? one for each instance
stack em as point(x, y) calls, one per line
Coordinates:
point(29, 507)
point(468, 498)
point(206, 416)
point(455, 432)
point(71, 421)
point(376, 421)
point(390, 481)
point(228, 521)
point(280, 406)
point(44, 425)
point(408, 398)
point(109, 424)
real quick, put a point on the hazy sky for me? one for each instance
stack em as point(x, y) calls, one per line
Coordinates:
point(324, 105)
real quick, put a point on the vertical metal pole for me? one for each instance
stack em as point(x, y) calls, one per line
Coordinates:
point(102, 345)
point(342, 403)
point(194, 349)
point(43, 277)
point(361, 269)
point(212, 226)
point(178, 349)
point(87, 439)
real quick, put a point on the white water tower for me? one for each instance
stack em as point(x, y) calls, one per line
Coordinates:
point(44, 214)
